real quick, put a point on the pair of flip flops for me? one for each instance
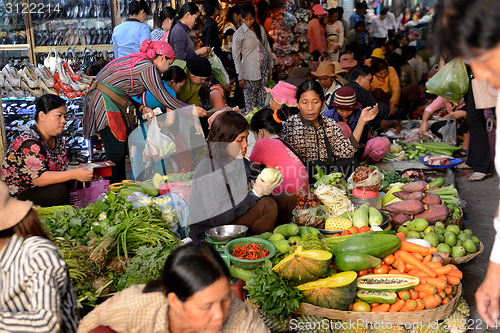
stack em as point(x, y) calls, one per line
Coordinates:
point(476, 175)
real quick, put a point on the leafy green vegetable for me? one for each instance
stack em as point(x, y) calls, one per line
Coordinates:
point(273, 294)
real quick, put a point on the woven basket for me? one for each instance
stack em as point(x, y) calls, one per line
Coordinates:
point(245, 263)
point(395, 318)
point(469, 257)
point(458, 221)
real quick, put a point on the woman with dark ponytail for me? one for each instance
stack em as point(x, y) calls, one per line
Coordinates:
point(193, 294)
point(274, 152)
point(253, 58)
point(179, 38)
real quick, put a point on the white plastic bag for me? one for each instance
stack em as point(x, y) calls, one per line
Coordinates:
point(158, 145)
point(449, 132)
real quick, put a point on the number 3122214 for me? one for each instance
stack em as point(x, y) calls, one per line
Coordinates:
point(32, 8)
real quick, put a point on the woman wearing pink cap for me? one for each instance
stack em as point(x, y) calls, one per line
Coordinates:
point(128, 76)
point(316, 32)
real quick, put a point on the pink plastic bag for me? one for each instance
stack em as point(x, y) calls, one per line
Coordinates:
point(88, 195)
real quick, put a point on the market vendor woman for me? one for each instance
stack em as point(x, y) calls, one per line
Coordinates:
point(35, 164)
point(223, 191)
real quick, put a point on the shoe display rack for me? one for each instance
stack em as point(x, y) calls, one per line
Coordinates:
point(13, 40)
point(19, 115)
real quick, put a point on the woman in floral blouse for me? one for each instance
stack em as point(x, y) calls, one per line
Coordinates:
point(35, 164)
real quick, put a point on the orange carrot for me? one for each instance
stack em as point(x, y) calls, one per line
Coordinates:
point(448, 289)
point(401, 236)
point(410, 305)
point(457, 273)
point(410, 266)
point(404, 295)
point(393, 271)
point(438, 283)
point(442, 294)
point(411, 247)
point(413, 271)
point(427, 258)
point(395, 307)
point(372, 305)
point(426, 288)
point(408, 258)
point(433, 264)
point(432, 250)
point(400, 263)
point(453, 279)
point(454, 267)
point(442, 277)
point(420, 304)
point(431, 301)
point(443, 270)
point(418, 255)
point(445, 300)
point(413, 293)
point(419, 274)
point(381, 308)
point(422, 295)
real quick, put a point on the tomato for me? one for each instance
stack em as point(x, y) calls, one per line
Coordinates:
point(353, 230)
point(364, 229)
point(345, 233)
point(363, 272)
point(350, 307)
point(370, 270)
point(361, 307)
point(382, 269)
point(336, 235)
point(389, 260)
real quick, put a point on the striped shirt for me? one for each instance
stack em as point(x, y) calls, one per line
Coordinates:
point(133, 311)
point(36, 294)
point(145, 76)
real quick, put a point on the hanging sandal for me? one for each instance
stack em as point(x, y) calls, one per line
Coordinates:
point(478, 176)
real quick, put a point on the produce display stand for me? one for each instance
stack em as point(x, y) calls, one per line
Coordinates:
point(417, 317)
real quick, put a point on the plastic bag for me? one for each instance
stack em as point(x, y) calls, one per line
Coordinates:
point(218, 70)
point(449, 132)
point(311, 217)
point(451, 82)
point(372, 183)
point(158, 145)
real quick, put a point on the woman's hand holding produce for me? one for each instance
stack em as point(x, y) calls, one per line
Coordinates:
point(457, 114)
point(262, 188)
point(148, 112)
point(424, 127)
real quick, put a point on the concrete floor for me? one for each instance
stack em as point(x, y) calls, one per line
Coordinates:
point(482, 201)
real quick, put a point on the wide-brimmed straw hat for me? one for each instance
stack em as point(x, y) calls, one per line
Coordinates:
point(345, 98)
point(284, 93)
point(298, 75)
point(12, 211)
point(328, 68)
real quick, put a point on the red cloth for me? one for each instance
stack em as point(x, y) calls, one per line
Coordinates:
point(316, 33)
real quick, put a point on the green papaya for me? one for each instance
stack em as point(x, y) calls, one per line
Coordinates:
point(360, 217)
point(287, 230)
point(374, 217)
point(149, 189)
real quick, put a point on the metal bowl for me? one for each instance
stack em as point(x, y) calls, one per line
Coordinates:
point(226, 233)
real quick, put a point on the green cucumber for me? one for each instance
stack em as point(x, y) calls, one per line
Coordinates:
point(371, 296)
point(356, 262)
point(437, 182)
point(240, 273)
point(377, 245)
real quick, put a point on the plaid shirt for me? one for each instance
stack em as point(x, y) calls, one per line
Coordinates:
point(133, 311)
point(309, 141)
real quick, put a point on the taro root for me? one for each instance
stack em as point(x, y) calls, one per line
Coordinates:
point(411, 207)
point(399, 218)
point(434, 214)
point(431, 199)
point(414, 187)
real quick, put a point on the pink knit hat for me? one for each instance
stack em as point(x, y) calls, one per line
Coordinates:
point(284, 93)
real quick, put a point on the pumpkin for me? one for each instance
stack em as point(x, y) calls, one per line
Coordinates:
point(304, 265)
point(335, 292)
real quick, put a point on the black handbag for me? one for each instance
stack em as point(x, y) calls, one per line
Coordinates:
point(335, 164)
